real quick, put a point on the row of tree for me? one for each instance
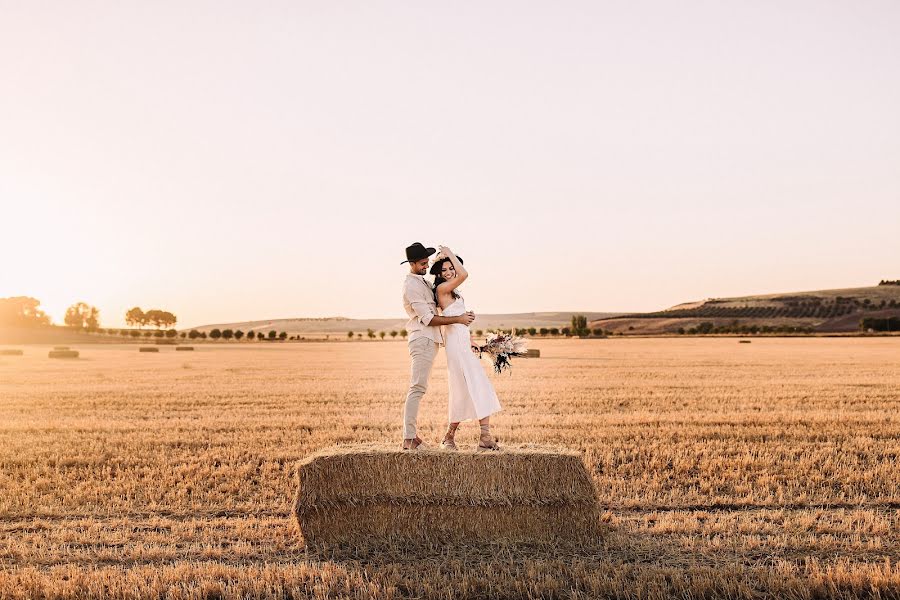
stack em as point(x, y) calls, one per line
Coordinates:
point(889, 282)
point(24, 311)
point(158, 333)
point(579, 328)
point(193, 334)
point(706, 328)
point(84, 316)
point(370, 333)
point(880, 324)
point(228, 334)
point(237, 334)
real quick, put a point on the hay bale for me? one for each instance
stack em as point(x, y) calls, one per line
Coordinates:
point(63, 354)
point(11, 352)
point(184, 349)
point(366, 493)
point(61, 348)
point(148, 349)
point(532, 353)
point(743, 341)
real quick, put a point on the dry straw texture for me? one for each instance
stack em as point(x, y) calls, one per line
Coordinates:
point(63, 354)
point(370, 492)
point(148, 349)
point(11, 352)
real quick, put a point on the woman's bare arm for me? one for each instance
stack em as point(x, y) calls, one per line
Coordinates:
point(463, 319)
point(461, 273)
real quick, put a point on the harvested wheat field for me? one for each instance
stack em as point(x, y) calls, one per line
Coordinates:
point(722, 470)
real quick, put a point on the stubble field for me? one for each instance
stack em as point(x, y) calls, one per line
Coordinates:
point(723, 469)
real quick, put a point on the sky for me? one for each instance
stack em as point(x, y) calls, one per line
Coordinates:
point(231, 161)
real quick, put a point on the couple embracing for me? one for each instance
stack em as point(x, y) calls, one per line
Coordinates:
point(438, 316)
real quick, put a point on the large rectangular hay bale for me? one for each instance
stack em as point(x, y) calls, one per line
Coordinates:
point(532, 353)
point(11, 352)
point(184, 349)
point(63, 354)
point(366, 493)
point(148, 349)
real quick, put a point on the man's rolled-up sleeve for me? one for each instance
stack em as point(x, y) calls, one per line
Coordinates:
point(423, 310)
point(421, 306)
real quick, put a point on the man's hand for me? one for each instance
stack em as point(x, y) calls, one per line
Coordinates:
point(466, 319)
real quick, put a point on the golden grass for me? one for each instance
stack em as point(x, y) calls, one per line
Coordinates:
point(722, 469)
point(365, 493)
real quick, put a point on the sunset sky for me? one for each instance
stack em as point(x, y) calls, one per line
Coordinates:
point(232, 161)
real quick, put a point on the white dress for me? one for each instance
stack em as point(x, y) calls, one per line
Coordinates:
point(471, 394)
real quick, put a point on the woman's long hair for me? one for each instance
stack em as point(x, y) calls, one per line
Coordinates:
point(438, 280)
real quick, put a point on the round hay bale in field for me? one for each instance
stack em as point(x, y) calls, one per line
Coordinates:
point(374, 493)
point(61, 348)
point(63, 354)
point(184, 349)
point(148, 349)
point(11, 352)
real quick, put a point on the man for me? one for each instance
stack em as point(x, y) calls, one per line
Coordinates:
point(424, 335)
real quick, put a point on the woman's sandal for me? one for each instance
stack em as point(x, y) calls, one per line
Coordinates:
point(487, 441)
point(449, 443)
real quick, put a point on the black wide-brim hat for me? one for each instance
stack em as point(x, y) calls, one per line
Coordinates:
point(436, 267)
point(417, 252)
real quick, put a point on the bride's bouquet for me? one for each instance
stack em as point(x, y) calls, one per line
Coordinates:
point(501, 347)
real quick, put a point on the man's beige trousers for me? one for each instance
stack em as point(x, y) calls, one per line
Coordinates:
point(422, 351)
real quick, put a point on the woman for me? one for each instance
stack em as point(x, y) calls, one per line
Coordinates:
point(471, 394)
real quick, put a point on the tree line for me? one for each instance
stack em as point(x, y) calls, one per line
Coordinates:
point(579, 327)
point(237, 334)
point(880, 324)
point(24, 311)
point(706, 328)
point(193, 334)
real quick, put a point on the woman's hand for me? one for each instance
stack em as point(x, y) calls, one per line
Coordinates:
point(445, 250)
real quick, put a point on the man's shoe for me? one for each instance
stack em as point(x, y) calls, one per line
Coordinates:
point(413, 443)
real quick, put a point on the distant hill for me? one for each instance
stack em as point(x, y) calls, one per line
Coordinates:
point(341, 325)
point(824, 311)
